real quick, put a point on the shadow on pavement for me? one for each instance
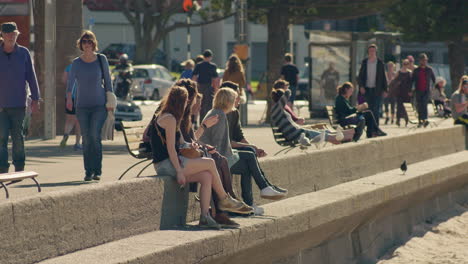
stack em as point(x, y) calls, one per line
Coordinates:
point(42, 151)
point(54, 184)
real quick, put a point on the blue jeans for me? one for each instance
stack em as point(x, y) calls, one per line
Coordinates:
point(293, 89)
point(11, 120)
point(91, 121)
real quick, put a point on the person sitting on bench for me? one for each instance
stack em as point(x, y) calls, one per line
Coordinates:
point(165, 141)
point(358, 116)
point(291, 131)
point(190, 135)
point(240, 162)
point(282, 84)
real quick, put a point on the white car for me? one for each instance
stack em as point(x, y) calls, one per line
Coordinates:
point(151, 81)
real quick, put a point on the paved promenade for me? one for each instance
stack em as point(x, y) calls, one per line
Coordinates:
point(62, 169)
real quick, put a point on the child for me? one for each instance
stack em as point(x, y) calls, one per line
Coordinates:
point(188, 69)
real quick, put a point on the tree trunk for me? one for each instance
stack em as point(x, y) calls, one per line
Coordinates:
point(277, 21)
point(36, 128)
point(144, 53)
point(68, 31)
point(456, 58)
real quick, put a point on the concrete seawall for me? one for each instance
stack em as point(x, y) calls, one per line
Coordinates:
point(52, 224)
point(354, 222)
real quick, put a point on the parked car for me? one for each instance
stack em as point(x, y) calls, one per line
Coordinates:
point(151, 81)
point(114, 50)
point(127, 111)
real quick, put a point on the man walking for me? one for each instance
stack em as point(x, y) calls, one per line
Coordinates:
point(422, 77)
point(372, 78)
point(208, 81)
point(290, 73)
point(15, 70)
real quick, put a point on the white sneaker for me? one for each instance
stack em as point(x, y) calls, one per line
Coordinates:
point(272, 194)
point(258, 210)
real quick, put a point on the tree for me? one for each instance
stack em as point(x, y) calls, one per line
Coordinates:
point(152, 20)
point(434, 20)
point(278, 14)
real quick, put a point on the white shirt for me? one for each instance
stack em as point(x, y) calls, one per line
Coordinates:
point(371, 73)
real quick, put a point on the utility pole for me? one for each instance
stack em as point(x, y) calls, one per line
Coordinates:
point(189, 36)
point(242, 39)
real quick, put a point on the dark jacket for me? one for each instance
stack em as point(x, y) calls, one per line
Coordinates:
point(343, 108)
point(381, 79)
point(429, 77)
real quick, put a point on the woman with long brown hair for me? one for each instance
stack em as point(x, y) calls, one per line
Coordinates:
point(166, 139)
point(235, 73)
point(93, 100)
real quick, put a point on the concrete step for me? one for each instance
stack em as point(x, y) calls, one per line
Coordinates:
point(344, 218)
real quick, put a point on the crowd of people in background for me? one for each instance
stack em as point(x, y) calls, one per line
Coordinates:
point(196, 135)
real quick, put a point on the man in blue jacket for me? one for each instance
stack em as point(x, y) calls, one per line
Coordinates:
point(16, 70)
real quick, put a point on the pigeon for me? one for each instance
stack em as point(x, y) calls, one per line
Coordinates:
point(304, 141)
point(404, 167)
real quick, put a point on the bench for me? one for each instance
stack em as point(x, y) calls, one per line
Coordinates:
point(413, 116)
point(15, 177)
point(332, 118)
point(282, 141)
point(133, 134)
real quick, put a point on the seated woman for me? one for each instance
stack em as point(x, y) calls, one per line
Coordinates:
point(359, 116)
point(291, 131)
point(166, 137)
point(439, 97)
point(282, 84)
point(460, 102)
point(190, 135)
point(239, 161)
point(244, 148)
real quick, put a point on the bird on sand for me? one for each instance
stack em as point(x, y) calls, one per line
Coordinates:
point(404, 167)
point(304, 142)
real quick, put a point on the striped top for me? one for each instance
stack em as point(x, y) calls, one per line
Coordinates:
point(283, 120)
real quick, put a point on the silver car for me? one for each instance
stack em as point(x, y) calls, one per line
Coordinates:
point(151, 81)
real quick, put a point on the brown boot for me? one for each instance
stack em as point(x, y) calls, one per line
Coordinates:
point(224, 221)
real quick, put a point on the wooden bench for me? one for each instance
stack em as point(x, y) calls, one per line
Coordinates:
point(133, 134)
point(413, 116)
point(15, 177)
point(332, 118)
point(282, 141)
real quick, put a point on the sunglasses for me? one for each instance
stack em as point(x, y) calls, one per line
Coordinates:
point(87, 41)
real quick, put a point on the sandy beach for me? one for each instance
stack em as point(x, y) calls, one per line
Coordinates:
point(444, 240)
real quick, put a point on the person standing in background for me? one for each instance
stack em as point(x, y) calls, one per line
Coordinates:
point(422, 78)
point(91, 73)
point(71, 121)
point(208, 81)
point(329, 81)
point(16, 69)
point(389, 101)
point(402, 90)
point(290, 73)
point(372, 77)
point(235, 73)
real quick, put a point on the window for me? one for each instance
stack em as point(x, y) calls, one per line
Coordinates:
point(163, 74)
point(140, 73)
